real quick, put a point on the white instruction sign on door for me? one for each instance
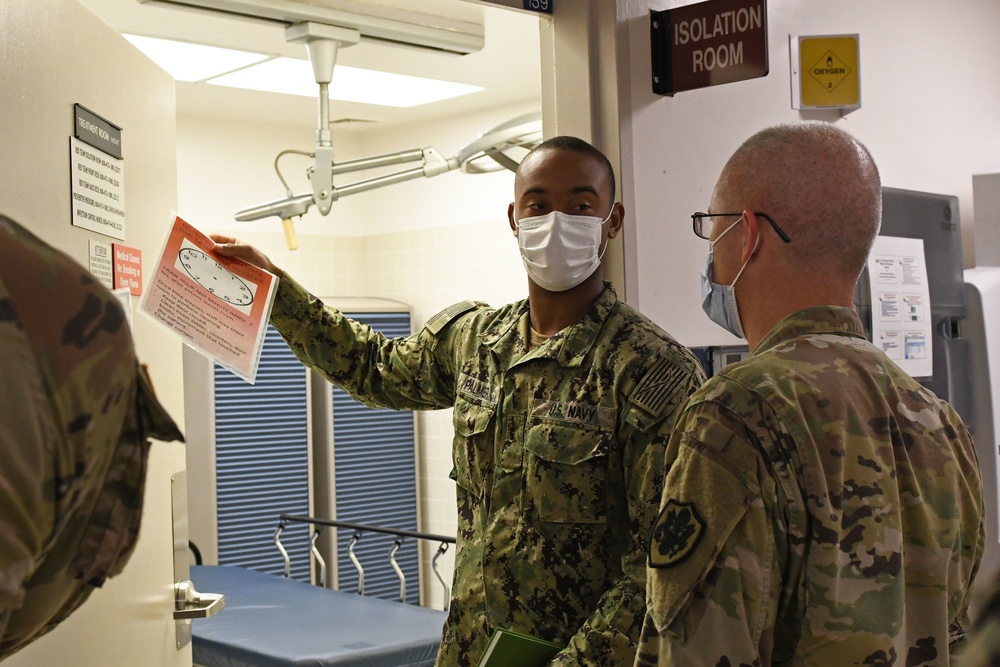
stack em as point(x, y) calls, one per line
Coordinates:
point(901, 305)
point(97, 184)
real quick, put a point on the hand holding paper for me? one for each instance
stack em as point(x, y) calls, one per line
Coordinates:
point(230, 246)
point(220, 305)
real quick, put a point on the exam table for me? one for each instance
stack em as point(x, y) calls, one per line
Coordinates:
point(273, 621)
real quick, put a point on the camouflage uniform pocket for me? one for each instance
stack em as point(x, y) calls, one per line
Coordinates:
point(472, 445)
point(565, 479)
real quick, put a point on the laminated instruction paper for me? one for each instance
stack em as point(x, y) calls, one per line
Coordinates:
point(220, 306)
point(901, 305)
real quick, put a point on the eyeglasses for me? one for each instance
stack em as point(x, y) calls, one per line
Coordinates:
point(701, 230)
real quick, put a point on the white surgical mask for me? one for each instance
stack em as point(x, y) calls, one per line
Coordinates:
point(559, 250)
point(719, 301)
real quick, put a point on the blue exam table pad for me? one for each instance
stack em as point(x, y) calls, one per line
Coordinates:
point(271, 621)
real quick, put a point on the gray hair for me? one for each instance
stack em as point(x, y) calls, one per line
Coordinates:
point(820, 185)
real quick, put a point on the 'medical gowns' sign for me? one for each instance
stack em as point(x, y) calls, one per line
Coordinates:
point(707, 44)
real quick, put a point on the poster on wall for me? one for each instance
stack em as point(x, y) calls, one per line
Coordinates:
point(900, 298)
point(220, 306)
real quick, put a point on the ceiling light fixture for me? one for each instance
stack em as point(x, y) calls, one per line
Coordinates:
point(349, 84)
point(193, 62)
point(256, 71)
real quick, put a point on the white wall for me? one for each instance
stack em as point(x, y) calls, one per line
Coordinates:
point(930, 98)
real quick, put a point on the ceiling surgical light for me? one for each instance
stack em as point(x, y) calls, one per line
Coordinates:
point(502, 147)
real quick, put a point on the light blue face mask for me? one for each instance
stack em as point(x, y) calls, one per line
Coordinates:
point(719, 301)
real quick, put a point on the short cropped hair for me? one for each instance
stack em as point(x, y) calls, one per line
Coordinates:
point(819, 183)
point(568, 143)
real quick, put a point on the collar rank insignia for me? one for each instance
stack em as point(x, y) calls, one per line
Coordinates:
point(675, 535)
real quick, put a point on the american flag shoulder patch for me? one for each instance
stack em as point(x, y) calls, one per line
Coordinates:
point(436, 323)
point(657, 387)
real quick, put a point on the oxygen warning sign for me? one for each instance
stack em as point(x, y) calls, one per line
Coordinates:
point(826, 72)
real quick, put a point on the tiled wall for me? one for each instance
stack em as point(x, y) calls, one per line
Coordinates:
point(325, 265)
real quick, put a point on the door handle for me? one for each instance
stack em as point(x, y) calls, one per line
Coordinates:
point(190, 604)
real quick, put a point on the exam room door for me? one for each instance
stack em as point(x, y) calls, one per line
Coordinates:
point(54, 54)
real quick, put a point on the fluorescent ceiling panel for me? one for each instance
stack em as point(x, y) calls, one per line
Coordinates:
point(350, 84)
point(193, 62)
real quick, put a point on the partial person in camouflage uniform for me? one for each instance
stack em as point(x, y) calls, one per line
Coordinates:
point(821, 507)
point(76, 412)
point(563, 405)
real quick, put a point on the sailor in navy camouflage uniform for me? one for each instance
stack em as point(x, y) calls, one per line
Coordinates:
point(563, 405)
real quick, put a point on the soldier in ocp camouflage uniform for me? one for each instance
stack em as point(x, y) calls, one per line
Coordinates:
point(563, 405)
point(821, 507)
point(76, 412)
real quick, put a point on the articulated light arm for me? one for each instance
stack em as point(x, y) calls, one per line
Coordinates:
point(432, 164)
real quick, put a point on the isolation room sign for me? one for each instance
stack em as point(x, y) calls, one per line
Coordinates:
point(708, 44)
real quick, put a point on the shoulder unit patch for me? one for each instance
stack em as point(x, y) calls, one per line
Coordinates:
point(675, 535)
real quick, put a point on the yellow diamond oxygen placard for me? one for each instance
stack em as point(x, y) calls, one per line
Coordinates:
point(826, 72)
